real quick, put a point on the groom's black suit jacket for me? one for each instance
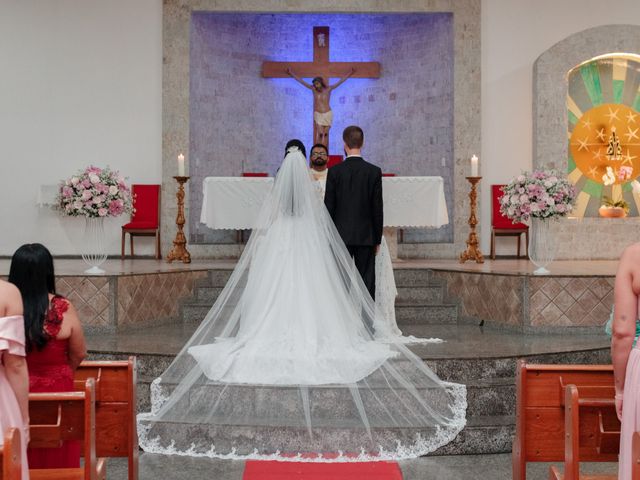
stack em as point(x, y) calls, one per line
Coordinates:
point(353, 198)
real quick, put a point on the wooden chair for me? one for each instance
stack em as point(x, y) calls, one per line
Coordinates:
point(501, 226)
point(591, 429)
point(540, 418)
point(145, 220)
point(11, 456)
point(116, 427)
point(58, 417)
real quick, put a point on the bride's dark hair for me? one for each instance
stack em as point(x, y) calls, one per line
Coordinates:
point(295, 143)
point(32, 272)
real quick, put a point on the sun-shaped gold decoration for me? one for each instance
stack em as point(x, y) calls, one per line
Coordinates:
point(607, 136)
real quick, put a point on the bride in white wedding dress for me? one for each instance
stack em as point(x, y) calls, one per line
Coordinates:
point(286, 365)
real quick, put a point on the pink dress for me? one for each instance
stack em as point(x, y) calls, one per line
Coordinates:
point(630, 412)
point(11, 341)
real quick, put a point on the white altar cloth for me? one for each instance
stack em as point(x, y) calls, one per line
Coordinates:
point(233, 203)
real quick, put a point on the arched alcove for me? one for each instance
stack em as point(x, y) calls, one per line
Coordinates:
point(588, 237)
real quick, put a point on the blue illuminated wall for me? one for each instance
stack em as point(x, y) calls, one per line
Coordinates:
point(240, 121)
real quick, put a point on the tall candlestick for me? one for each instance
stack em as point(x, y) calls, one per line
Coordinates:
point(474, 166)
point(181, 165)
point(179, 250)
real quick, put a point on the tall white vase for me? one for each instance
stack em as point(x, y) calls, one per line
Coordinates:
point(542, 246)
point(94, 251)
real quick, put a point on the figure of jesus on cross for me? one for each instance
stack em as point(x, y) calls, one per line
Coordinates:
point(322, 69)
point(322, 113)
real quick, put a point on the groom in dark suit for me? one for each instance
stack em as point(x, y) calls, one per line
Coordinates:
point(354, 200)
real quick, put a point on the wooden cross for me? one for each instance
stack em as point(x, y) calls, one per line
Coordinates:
point(321, 65)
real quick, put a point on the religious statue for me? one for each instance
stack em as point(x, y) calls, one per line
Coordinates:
point(322, 114)
point(322, 69)
point(614, 149)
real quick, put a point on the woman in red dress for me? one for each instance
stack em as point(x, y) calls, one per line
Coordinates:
point(54, 338)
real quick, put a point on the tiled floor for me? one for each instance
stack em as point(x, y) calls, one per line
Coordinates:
point(460, 467)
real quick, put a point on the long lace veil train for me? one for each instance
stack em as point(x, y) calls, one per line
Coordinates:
point(285, 365)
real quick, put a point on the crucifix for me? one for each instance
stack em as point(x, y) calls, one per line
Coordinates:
point(322, 69)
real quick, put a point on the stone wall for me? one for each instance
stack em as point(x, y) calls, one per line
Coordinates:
point(177, 19)
point(240, 122)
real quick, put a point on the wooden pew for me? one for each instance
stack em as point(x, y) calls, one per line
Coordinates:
point(11, 456)
point(116, 427)
point(540, 418)
point(592, 428)
point(57, 417)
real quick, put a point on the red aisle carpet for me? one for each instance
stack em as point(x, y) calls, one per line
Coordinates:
point(272, 470)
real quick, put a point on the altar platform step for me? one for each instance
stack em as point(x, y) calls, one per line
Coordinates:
point(420, 297)
point(423, 295)
point(482, 359)
point(404, 277)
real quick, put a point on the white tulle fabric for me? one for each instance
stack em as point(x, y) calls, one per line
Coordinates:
point(385, 326)
point(286, 363)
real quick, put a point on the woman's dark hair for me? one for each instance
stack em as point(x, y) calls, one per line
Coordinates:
point(32, 272)
point(295, 143)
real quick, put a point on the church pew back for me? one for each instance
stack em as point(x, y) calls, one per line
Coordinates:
point(116, 427)
point(11, 456)
point(58, 417)
point(540, 402)
point(592, 428)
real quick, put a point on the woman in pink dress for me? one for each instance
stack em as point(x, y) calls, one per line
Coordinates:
point(54, 339)
point(626, 358)
point(14, 379)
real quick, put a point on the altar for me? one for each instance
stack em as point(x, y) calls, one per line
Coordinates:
point(233, 203)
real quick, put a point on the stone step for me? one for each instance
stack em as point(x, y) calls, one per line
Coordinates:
point(426, 314)
point(424, 295)
point(490, 381)
point(481, 435)
point(193, 313)
point(414, 277)
point(405, 277)
point(495, 396)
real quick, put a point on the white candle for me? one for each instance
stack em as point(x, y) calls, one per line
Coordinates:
point(181, 165)
point(474, 166)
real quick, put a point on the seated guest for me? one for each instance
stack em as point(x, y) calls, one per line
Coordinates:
point(625, 357)
point(54, 339)
point(14, 378)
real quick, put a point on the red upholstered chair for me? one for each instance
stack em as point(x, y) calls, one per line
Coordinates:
point(388, 174)
point(255, 174)
point(334, 160)
point(502, 226)
point(145, 220)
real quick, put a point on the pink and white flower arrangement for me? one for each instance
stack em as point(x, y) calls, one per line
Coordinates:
point(539, 194)
point(95, 192)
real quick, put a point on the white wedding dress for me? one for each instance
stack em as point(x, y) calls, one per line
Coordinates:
point(286, 365)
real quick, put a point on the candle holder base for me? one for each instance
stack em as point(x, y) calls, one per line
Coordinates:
point(179, 250)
